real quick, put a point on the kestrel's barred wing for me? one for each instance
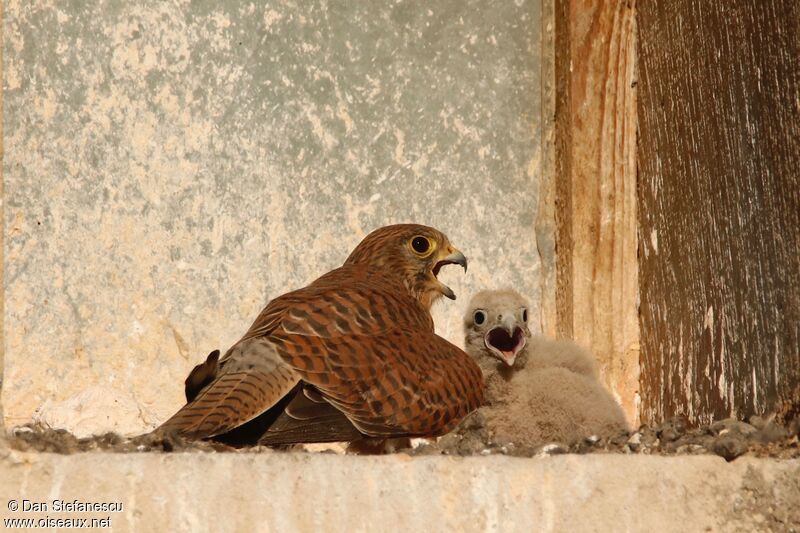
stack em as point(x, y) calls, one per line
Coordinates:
point(400, 383)
point(372, 353)
point(252, 379)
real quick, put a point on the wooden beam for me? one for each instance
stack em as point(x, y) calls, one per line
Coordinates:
point(597, 284)
point(719, 206)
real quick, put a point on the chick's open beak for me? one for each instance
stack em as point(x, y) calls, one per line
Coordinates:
point(506, 340)
point(454, 257)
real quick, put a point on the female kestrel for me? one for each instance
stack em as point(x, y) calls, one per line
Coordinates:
point(352, 355)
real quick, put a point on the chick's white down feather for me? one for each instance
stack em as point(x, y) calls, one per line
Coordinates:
point(538, 390)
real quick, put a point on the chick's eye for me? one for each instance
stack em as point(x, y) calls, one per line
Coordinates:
point(420, 244)
point(524, 315)
point(479, 317)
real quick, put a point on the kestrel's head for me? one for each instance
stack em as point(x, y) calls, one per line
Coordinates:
point(415, 253)
point(496, 325)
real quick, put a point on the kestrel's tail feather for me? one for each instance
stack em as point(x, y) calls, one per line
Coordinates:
point(201, 375)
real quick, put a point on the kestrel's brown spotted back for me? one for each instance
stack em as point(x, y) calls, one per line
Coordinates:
point(352, 355)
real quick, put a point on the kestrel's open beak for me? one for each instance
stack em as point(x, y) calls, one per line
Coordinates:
point(454, 257)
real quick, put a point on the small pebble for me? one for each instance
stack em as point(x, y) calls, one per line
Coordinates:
point(731, 424)
point(634, 442)
point(730, 447)
point(551, 449)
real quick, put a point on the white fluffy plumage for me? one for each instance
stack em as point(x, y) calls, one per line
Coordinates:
point(538, 390)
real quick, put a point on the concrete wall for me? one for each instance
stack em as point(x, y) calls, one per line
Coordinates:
point(318, 492)
point(172, 166)
point(2, 247)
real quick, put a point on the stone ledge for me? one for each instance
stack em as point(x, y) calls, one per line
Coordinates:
point(314, 492)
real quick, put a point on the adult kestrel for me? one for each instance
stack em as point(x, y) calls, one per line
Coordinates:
point(352, 355)
point(538, 390)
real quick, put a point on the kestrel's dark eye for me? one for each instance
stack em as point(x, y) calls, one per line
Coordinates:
point(479, 317)
point(524, 315)
point(420, 245)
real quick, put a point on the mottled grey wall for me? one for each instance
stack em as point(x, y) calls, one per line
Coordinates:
point(170, 166)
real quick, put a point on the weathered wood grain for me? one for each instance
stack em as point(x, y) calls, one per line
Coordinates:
point(719, 206)
point(597, 282)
